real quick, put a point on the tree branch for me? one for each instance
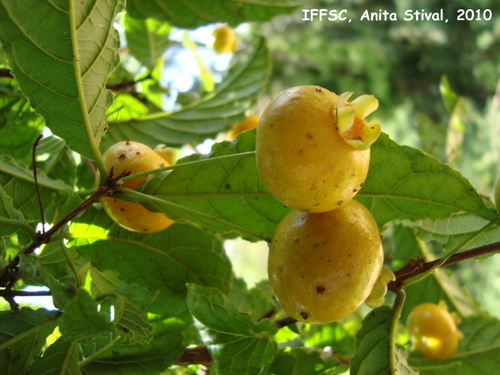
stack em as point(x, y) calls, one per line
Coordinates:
point(6, 73)
point(10, 273)
point(417, 266)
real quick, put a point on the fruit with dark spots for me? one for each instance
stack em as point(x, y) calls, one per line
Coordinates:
point(332, 270)
point(313, 147)
point(133, 157)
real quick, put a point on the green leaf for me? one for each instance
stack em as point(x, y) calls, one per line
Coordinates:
point(221, 191)
point(62, 66)
point(152, 358)
point(373, 344)
point(8, 211)
point(58, 161)
point(22, 336)
point(338, 336)
point(165, 260)
point(60, 358)
point(406, 184)
point(478, 352)
point(194, 13)
point(214, 113)
point(131, 321)
point(82, 318)
point(19, 126)
point(301, 361)
point(170, 320)
point(455, 229)
point(147, 39)
point(237, 343)
point(439, 286)
point(18, 183)
point(257, 301)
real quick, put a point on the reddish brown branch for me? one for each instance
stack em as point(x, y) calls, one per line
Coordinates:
point(198, 355)
point(418, 266)
point(6, 73)
point(10, 274)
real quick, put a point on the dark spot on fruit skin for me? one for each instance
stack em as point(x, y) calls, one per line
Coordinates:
point(122, 209)
point(362, 184)
point(162, 165)
point(122, 157)
point(127, 143)
point(339, 203)
point(320, 289)
point(304, 315)
point(137, 152)
point(296, 240)
point(317, 89)
point(309, 136)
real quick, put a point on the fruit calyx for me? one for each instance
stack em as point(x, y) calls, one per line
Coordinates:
point(349, 119)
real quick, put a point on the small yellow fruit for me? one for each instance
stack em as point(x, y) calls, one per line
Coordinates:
point(313, 147)
point(167, 153)
point(133, 157)
point(248, 123)
point(323, 266)
point(225, 39)
point(433, 330)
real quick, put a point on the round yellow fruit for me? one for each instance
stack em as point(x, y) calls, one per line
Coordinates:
point(323, 266)
point(133, 157)
point(313, 147)
point(225, 39)
point(433, 330)
point(249, 123)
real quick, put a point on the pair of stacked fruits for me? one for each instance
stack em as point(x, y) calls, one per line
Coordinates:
point(313, 154)
point(326, 256)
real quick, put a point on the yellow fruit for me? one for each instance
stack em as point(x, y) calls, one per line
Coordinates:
point(323, 266)
point(133, 157)
point(433, 330)
point(313, 147)
point(248, 123)
point(225, 39)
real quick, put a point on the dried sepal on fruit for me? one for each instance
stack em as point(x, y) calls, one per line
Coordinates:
point(133, 157)
point(377, 295)
point(349, 118)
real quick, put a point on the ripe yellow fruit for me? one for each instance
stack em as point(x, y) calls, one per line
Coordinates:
point(323, 266)
point(225, 39)
point(313, 147)
point(433, 330)
point(249, 123)
point(133, 157)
